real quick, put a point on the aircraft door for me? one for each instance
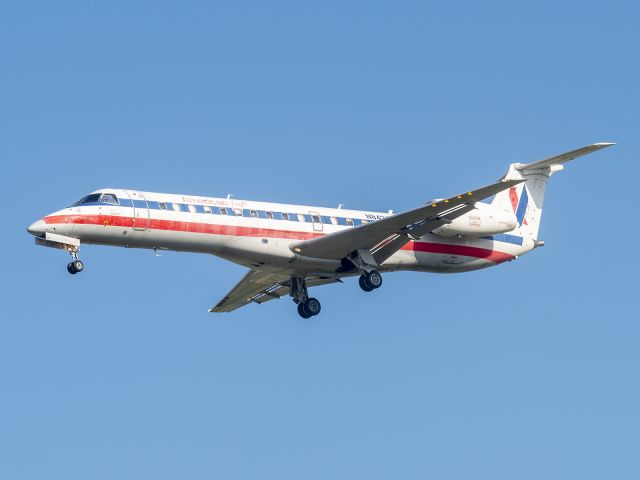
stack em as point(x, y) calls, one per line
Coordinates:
point(317, 221)
point(141, 215)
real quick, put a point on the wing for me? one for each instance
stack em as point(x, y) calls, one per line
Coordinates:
point(260, 287)
point(386, 236)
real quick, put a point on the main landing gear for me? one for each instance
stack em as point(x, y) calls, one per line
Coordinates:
point(307, 306)
point(76, 265)
point(310, 307)
point(370, 280)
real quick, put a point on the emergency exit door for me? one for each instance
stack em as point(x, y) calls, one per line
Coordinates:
point(317, 221)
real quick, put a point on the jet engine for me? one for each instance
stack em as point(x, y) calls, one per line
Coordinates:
point(484, 220)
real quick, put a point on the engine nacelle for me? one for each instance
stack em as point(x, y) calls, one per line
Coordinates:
point(484, 220)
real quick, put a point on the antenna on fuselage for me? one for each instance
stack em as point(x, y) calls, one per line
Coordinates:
point(229, 196)
point(340, 206)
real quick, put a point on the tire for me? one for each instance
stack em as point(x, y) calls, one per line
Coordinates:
point(301, 311)
point(374, 279)
point(71, 269)
point(363, 284)
point(78, 266)
point(312, 306)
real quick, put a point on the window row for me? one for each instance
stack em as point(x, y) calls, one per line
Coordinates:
point(112, 199)
point(250, 213)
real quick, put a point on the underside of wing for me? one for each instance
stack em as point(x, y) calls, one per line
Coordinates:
point(260, 287)
point(384, 237)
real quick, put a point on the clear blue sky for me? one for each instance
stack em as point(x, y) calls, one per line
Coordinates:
point(529, 370)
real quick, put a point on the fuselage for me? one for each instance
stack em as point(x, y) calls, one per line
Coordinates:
point(257, 235)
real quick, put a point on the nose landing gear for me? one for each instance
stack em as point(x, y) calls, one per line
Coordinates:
point(76, 265)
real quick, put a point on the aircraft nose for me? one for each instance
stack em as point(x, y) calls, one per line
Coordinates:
point(37, 228)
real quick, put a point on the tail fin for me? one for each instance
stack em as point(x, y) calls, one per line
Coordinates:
point(527, 198)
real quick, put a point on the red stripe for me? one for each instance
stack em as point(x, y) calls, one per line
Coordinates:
point(178, 226)
point(209, 228)
point(513, 196)
point(463, 250)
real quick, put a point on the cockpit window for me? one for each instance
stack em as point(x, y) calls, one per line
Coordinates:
point(93, 198)
point(109, 198)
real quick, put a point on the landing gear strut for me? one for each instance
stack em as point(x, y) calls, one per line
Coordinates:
point(307, 306)
point(76, 265)
point(370, 280)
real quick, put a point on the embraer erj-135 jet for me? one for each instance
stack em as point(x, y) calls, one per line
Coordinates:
point(290, 248)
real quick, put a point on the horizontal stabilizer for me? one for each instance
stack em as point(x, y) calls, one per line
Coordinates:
point(564, 157)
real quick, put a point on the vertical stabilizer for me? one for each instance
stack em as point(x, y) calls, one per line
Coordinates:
point(526, 199)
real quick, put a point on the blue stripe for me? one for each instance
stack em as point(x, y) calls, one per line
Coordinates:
point(505, 237)
point(522, 206)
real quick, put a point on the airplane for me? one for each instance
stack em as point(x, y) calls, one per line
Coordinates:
point(291, 248)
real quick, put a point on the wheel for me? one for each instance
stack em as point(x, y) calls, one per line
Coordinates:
point(312, 306)
point(301, 311)
point(373, 279)
point(363, 284)
point(71, 269)
point(78, 266)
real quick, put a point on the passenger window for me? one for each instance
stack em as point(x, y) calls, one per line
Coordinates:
point(269, 215)
point(316, 218)
point(253, 214)
point(162, 205)
point(207, 209)
point(285, 216)
point(223, 211)
point(176, 207)
point(349, 222)
point(301, 217)
point(365, 221)
point(334, 221)
point(192, 208)
point(293, 217)
point(238, 212)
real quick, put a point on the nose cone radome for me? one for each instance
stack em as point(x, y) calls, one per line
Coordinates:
point(37, 228)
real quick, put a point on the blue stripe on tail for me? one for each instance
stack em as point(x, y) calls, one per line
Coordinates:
point(522, 206)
